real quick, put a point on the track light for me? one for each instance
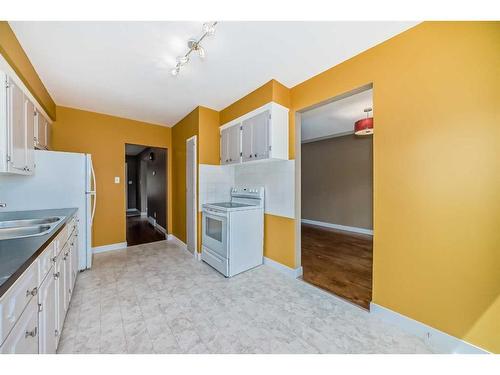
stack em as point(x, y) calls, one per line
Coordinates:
point(194, 45)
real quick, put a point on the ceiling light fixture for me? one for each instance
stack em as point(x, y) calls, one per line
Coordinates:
point(194, 45)
point(365, 125)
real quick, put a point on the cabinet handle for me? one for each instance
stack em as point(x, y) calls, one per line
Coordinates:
point(32, 292)
point(54, 259)
point(230, 159)
point(56, 333)
point(250, 155)
point(255, 155)
point(31, 333)
point(56, 275)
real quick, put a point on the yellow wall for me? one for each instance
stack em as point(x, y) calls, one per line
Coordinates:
point(436, 172)
point(184, 129)
point(279, 232)
point(105, 137)
point(12, 51)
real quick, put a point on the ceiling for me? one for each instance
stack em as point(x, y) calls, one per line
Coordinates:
point(133, 150)
point(123, 68)
point(336, 118)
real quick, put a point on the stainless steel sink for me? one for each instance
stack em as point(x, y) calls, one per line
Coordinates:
point(21, 228)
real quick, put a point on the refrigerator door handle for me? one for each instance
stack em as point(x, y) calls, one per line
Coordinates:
point(94, 187)
point(93, 208)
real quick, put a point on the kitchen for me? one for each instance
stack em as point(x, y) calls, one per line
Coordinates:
point(227, 278)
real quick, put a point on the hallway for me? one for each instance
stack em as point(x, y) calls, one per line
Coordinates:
point(140, 231)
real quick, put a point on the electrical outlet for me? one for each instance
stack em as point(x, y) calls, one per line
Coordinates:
point(117, 180)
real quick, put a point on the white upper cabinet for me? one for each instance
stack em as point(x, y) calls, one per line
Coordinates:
point(41, 132)
point(261, 135)
point(23, 124)
point(230, 145)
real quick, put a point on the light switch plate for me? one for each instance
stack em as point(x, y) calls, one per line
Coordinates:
point(117, 180)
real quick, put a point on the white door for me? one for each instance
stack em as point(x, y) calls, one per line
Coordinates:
point(47, 315)
point(191, 211)
point(59, 291)
point(234, 144)
point(23, 339)
point(17, 128)
point(247, 140)
point(224, 146)
point(260, 135)
point(30, 117)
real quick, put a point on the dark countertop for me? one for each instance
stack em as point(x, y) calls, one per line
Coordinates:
point(16, 255)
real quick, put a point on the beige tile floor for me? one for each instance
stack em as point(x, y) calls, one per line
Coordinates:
point(156, 298)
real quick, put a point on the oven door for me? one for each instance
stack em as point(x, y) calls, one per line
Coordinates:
point(214, 229)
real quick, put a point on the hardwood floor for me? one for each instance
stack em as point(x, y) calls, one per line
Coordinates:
point(339, 262)
point(139, 231)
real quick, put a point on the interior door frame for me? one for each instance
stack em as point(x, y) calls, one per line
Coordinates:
point(298, 166)
point(194, 214)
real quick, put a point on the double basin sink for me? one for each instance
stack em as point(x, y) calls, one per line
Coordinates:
point(10, 229)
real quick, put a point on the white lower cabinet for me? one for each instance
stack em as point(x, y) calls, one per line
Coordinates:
point(23, 339)
point(33, 309)
point(47, 314)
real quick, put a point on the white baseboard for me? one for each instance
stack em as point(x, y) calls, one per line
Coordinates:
point(338, 226)
point(436, 339)
point(144, 214)
point(171, 237)
point(152, 221)
point(161, 229)
point(297, 272)
point(111, 247)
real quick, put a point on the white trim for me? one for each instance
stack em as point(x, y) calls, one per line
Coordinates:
point(111, 247)
point(144, 214)
point(338, 226)
point(161, 229)
point(171, 237)
point(132, 209)
point(295, 273)
point(436, 339)
point(152, 221)
point(194, 138)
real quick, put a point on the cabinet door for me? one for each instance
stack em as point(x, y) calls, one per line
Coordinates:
point(74, 260)
point(23, 339)
point(41, 131)
point(47, 315)
point(67, 277)
point(224, 144)
point(234, 147)
point(246, 140)
point(17, 129)
point(260, 135)
point(30, 118)
point(59, 292)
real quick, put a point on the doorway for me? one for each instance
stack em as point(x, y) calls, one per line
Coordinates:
point(336, 197)
point(146, 194)
point(191, 209)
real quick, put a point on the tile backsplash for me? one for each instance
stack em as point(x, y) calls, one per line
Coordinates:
point(215, 183)
point(277, 177)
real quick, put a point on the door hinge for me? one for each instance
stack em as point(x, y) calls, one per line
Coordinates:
point(270, 147)
point(241, 153)
point(7, 85)
point(40, 307)
point(8, 158)
point(241, 127)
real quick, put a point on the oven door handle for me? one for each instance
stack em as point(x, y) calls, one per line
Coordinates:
point(214, 214)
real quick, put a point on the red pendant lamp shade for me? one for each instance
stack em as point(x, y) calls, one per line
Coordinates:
point(364, 126)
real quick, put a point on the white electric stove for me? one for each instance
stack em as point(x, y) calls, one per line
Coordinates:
point(233, 232)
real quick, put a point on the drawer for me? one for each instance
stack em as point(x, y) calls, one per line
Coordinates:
point(23, 339)
point(46, 261)
point(16, 298)
point(61, 239)
point(216, 261)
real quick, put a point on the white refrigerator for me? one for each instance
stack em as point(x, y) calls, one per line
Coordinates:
point(61, 180)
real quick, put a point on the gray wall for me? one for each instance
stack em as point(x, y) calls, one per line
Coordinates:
point(337, 181)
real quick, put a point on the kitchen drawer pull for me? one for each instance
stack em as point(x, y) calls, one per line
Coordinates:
point(53, 259)
point(56, 275)
point(32, 333)
point(32, 292)
point(255, 155)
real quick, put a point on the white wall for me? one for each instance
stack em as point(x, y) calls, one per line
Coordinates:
point(214, 183)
